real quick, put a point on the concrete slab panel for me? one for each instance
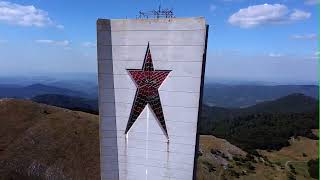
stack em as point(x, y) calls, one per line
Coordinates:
point(161, 140)
point(177, 24)
point(159, 53)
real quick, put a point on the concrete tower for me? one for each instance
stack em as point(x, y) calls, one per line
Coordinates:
point(150, 83)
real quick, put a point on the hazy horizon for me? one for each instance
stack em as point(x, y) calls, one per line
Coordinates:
point(92, 77)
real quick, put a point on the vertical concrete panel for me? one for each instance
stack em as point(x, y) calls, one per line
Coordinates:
point(109, 164)
point(148, 148)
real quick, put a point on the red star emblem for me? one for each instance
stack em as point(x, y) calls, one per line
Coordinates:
point(148, 82)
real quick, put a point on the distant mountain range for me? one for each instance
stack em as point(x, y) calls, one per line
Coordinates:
point(56, 95)
point(88, 87)
point(235, 96)
point(86, 83)
point(221, 95)
point(27, 92)
point(69, 102)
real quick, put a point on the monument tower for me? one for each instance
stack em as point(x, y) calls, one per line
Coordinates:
point(151, 74)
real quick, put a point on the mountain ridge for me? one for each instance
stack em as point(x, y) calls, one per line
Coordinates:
point(30, 91)
point(240, 96)
point(69, 102)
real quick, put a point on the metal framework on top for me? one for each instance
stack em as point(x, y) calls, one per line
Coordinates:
point(160, 13)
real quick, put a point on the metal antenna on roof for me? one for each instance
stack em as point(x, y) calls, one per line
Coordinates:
point(160, 13)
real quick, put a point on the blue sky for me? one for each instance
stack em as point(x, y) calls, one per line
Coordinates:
point(254, 40)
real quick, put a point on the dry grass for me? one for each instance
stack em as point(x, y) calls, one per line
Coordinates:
point(218, 162)
point(44, 142)
point(300, 151)
point(295, 151)
point(264, 170)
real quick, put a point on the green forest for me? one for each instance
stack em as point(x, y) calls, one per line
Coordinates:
point(268, 125)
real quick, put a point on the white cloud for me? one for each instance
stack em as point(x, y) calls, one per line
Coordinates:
point(298, 15)
point(312, 2)
point(305, 37)
point(59, 26)
point(89, 44)
point(313, 57)
point(24, 15)
point(2, 41)
point(231, 1)
point(63, 43)
point(67, 48)
point(212, 7)
point(316, 56)
point(275, 55)
point(266, 14)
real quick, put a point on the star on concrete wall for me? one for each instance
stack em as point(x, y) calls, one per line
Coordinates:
point(148, 82)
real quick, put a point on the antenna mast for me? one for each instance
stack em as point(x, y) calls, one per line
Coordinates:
point(157, 14)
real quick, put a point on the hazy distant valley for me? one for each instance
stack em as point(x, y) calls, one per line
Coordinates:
point(226, 95)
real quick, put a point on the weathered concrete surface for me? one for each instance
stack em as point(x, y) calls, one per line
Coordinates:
point(145, 152)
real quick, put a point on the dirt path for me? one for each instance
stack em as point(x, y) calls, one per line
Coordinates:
point(286, 164)
point(220, 174)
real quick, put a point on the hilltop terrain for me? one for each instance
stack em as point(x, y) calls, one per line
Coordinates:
point(44, 142)
point(221, 160)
